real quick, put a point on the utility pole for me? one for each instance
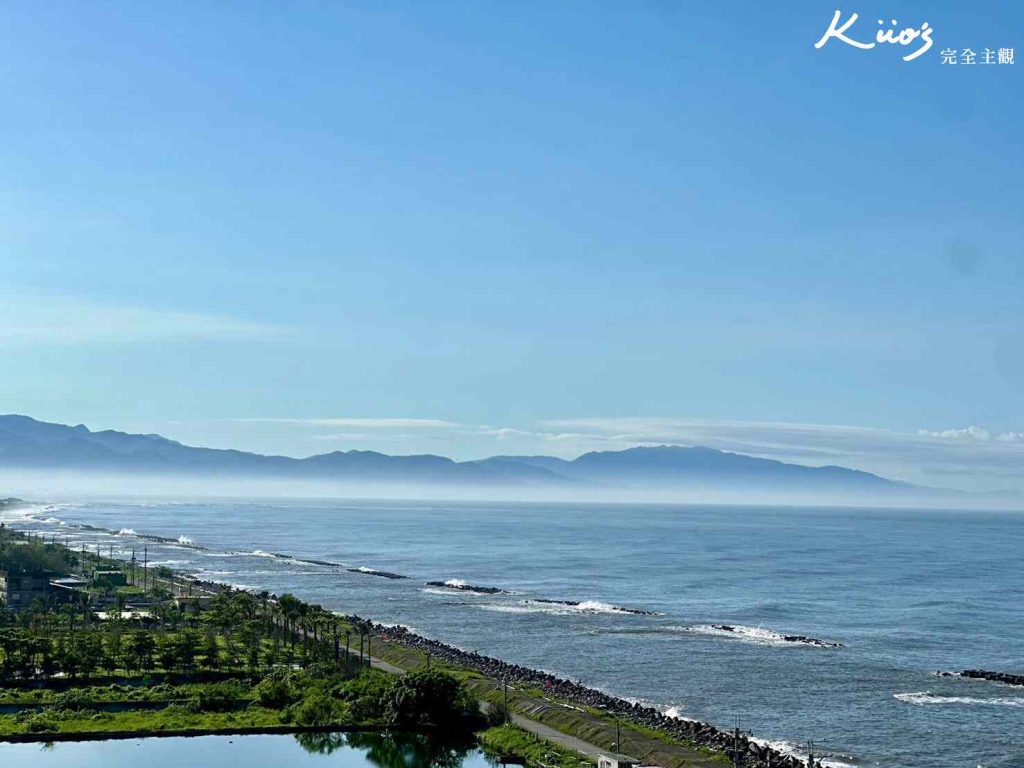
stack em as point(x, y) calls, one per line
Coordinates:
point(505, 698)
point(145, 569)
point(618, 737)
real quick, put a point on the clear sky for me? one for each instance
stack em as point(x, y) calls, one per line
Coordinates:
point(477, 228)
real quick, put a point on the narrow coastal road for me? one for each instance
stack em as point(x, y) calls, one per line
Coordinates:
point(532, 726)
point(561, 739)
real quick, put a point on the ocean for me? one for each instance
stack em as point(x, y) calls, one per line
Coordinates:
point(823, 625)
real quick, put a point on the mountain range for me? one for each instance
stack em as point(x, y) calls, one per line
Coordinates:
point(28, 444)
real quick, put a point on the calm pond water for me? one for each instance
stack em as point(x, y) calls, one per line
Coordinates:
point(333, 750)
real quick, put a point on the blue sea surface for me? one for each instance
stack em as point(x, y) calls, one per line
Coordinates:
point(906, 593)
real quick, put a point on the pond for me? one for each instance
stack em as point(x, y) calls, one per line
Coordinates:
point(320, 750)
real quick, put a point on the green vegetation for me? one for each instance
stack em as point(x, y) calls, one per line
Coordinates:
point(322, 695)
point(21, 554)
point(430, 699)
point(249, 661)
point(242, 661)
point(508, 740)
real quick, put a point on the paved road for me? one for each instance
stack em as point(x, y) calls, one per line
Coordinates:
point(559, 738)
point(538, 729)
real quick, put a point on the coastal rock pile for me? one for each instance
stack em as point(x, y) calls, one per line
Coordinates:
point(703, 734)
point(375, 572)
point(463, 587)
point(798, 639)
point(997, 677)
point(578, 604)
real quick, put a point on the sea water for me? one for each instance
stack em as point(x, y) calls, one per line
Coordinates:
point(684, 607)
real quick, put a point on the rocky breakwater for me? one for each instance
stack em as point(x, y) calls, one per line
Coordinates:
point(1006, 678)
point(754, 754)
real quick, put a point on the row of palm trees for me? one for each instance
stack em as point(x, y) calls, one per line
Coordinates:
point(237, 631)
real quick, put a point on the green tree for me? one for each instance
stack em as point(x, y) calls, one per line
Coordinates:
point(430, 698)
point(139, 650)
point(113, 650)
point(211, 650)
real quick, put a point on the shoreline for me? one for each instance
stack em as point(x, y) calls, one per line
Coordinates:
point(191, 733)
point(703, 736)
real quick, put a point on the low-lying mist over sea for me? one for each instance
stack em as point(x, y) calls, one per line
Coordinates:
point(78, 485)
point(41, 457)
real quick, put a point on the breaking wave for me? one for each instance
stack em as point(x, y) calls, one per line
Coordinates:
point(758, 635)
point(923, 698)
point(800, 752)
point(561, 607)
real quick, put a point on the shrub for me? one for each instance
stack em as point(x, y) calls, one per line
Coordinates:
point(275, 691)
point(366, 694)
point(430, 698)
point(71, 699)
point(219, 697)
point(318, 708)
point(39, 723)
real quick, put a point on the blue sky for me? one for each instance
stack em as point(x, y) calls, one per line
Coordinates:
point(533, 227)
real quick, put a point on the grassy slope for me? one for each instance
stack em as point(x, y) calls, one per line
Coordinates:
point(510, 740)
point(173, 718)
point(592, 726)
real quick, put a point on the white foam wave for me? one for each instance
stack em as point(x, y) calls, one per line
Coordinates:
point(499, 608)
point(456, 583)
point(596, 606)
point(756, 635)
point(922, 698)
point(127, 532)
point(406, 627)
point(185, 541)
point(675, 714)
point(556, 609)
point(788, 748)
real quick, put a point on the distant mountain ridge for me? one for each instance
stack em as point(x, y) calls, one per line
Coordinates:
point(674, 465)
point(26, 443)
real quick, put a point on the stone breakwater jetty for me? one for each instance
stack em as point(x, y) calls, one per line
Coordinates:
point(1006, 678)
point(463, 587)
point(753, 754)
point(798, 639)
point(375, 572)
point(578, 604)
